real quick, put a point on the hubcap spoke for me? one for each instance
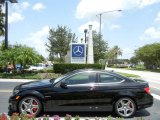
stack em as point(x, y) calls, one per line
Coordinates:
point(129, 104)
point(24, 106)
point(32, 111)
point(130, 109)
point(25, 103)
point(125, 112)
point(29, 111)
point(24, 110)
point(122, 103)
point(31, 102)
point(121, 109)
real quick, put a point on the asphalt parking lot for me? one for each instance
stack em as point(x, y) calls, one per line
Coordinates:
point(152, 113)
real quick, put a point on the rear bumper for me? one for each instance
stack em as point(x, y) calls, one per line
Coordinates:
point(147, 102)
point(145, 106)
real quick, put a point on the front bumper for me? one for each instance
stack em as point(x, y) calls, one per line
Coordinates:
point(13, 104)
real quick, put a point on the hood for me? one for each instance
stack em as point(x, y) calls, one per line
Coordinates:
point(40, 83)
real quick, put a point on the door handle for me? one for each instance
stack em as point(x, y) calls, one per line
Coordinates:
point(92, 88)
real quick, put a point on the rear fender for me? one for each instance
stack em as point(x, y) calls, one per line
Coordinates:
point(124, 94)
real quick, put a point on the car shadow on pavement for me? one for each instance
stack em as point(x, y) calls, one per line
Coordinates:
point(140, 113)
point(81, 114)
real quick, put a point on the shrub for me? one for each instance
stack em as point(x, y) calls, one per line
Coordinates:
point(3, 117)
point(77, 117)
point(50, 71)
point(16, 116)
point(68, 117)
point(56, 117)
point(64, 68)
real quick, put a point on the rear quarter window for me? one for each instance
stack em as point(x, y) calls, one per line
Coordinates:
point(107, 78)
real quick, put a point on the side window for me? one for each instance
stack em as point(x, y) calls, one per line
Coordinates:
point(106, 78)
point(81, 78)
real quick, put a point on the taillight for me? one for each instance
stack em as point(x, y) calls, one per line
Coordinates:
point(147, 90)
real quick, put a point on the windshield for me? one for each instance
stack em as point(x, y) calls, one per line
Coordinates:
point(61, 77)
point(58, 79)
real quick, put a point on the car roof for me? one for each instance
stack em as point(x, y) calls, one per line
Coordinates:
point(96, 70)
point(111, 72)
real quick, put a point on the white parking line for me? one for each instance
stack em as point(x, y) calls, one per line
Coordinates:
point(16, 80)
point(6, 91)
point(156, 96)
point(152, 81)
point(155, 87)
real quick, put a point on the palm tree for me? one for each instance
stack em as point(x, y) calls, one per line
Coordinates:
point(117, 51)
point(2, 28)
point(19, 54)
point(2, 45)
point(27, 55)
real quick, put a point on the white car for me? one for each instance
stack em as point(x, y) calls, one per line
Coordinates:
point(39, 66)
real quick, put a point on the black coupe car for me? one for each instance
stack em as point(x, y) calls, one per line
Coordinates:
point(82, 90)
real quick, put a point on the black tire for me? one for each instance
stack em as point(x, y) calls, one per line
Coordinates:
point(125, 107)
point(30, 105)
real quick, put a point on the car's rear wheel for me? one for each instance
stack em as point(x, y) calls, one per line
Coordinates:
point(30, 105)
point(125, 107)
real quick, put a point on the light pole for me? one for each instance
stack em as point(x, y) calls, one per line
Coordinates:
point(85, 32)
point(100, 18)
point(6, 20)
point(90, 55)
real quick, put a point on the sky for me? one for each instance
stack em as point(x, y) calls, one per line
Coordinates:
point(136, 25)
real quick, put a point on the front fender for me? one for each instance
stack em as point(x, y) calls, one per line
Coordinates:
point(33, 93)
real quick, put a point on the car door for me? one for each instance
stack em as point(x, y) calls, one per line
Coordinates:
point(78, 93)
point(109, 86)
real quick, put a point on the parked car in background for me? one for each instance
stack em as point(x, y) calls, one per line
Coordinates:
point(131, 66)
point(83, 90)
point(39, 66)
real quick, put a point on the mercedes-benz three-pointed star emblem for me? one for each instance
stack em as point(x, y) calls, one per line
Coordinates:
point(78, 50)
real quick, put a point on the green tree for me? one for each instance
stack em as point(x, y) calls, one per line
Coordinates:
point(27, 56)
point(2, 29)
point(150, 55)
point(8, 57)
point(116, 51)
point(100, 46)
point(109, 55)
point(2, 46)
point(18, 54)
point(113, 53)
point(59, 40)
point(51, 57)
point(134, 60)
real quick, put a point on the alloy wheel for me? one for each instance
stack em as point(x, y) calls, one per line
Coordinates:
point(30, 105)
point(125, 107)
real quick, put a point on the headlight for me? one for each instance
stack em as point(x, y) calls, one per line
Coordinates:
point(15, 91)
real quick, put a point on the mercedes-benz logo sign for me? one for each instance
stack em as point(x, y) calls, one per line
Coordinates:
point(78, 50)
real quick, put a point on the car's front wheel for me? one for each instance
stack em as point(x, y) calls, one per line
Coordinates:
point(125, 107)
point(30, 105)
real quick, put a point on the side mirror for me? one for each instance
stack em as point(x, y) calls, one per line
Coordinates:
point(63, 85)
